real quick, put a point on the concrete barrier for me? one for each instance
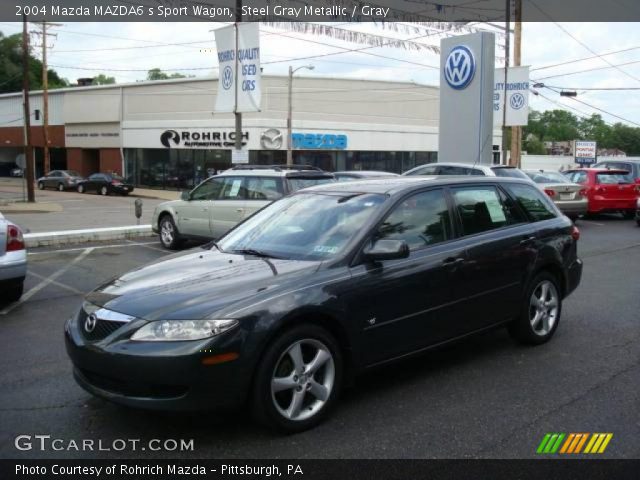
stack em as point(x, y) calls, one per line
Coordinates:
point(66, 237)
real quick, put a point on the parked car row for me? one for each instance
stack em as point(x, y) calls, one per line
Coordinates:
point(102, 183)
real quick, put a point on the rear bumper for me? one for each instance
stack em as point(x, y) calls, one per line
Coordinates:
point(13, 265)
point(574, 275)
point(573, 207)
point(612, 205)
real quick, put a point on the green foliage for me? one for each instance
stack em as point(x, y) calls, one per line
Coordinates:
point(157, 74)
point(102, 79)
point(560, 125)
point(11, 67)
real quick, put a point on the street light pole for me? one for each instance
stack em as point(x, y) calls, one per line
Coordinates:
point(289, 110)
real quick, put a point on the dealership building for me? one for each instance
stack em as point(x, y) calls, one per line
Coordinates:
point(166, 134)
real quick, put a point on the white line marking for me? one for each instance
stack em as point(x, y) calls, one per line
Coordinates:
point(592, 222)
point(147, 245)
point(56, 283)
point(47, 281)
point(95, 248)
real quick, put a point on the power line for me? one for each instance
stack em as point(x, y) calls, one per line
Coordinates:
point(568, 62)
point(610, 89)
point(588, 70)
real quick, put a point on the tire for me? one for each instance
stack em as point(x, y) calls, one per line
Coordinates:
point(40, 186)
point(60, 187)
point(104, 191)
point(629, 215)
point(316, 392)
point(13, 290)
point(532, 326)
point(169, 234)
point(81, 189)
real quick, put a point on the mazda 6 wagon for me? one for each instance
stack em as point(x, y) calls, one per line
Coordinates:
point(323, 284)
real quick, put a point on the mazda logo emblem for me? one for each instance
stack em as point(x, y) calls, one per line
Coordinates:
point(90, 323)
point(459, 67)
point(271, 139)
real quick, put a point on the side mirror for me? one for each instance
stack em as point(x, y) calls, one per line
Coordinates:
point(185, 196)
point(386, 250)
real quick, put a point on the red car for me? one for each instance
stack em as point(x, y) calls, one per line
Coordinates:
point(608, 190)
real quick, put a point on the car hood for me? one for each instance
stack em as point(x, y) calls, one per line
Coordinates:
point(197, 284)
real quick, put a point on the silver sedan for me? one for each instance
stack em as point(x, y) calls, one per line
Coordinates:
point(571, 198)
point(13, 261)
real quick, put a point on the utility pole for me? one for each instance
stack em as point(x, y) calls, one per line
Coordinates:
point(28, 149)
point(290, 111)
point(516, 131)
point(237, 114)
point(45, 94)
point(507, 53)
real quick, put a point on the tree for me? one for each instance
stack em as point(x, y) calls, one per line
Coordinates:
point(595, 128)
point(11, 67)
point(102, 79)
point(157, 74)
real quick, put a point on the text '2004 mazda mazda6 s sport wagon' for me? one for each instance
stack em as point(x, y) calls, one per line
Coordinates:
point(321, 285)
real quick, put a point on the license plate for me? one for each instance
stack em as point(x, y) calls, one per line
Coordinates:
point(566, 196)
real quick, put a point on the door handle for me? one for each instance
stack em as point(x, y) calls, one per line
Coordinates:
point(528, 240)
point(451, 261)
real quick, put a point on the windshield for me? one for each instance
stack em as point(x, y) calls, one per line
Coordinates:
point(548, 177)
point(73, 173)
point(308, 226)
point(510, 172)
point(613, 178)
point(300, 183)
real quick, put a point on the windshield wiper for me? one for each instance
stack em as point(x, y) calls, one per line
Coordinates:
point(255, 253)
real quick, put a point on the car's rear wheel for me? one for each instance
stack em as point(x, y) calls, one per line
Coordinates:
point(12, 290)
point(60, 187)
point(81, 189)
point(298, 379)
point(104, 190)
point(40, 186)
point(169, 234)
point(541, 311)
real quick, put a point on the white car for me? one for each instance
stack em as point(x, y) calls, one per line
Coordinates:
point(221, 202)
point(13, 261)
point(446, 168)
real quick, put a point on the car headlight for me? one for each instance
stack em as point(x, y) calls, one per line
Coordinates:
point(181, 330)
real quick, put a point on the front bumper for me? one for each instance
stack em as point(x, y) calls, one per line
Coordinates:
point(158, 375)
point(13, 265)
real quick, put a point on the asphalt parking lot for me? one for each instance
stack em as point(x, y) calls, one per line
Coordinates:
point(484, 398)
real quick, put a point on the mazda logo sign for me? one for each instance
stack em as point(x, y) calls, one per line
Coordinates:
point(90, 323)
point(271, 139)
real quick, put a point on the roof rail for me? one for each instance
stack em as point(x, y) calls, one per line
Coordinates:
point(278, 168)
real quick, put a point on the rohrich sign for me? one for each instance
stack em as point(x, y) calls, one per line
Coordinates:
point(200, 138)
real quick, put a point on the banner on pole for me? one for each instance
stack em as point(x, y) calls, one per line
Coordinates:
point(517, 96)
point(239, 76)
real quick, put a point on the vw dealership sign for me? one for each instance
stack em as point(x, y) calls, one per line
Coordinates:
point(460, 67)
point(517, 96)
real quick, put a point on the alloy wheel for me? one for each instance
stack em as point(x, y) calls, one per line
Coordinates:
point(104, 190)
point(543, 307)
point(167, 232)
point(303, 379)
point(60, 187)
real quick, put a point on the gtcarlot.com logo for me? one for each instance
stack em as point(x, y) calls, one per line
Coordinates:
point(45, 443)
point(574, 443)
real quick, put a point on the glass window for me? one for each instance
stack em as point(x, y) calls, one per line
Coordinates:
point(510, 172)
point(613, 178)
point(428, 170)
point(264, 188)
point(55, 173)
point(482, 208)
point(232, 189)
point(420, 220)
point(548, 177)
point(533, 201)
point(452, 170)
point(307, 226)
point(208, 190)
point(73, 173)
point(577, 177)
point(296, 183)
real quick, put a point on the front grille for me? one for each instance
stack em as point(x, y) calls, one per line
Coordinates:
point(133, 389)
point(103, 329)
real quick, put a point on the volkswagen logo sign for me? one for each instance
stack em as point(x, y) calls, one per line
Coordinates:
point(90, 323)
point(227, 77)
point(517, 101)
point(271, 139)
point(459, 67)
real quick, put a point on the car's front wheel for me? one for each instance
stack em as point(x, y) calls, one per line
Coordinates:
point(60, 187)
point(541, 311)
point(104, 190)
point(81, 189)
point(169, 235)
point(40, 186)
point(298, 379)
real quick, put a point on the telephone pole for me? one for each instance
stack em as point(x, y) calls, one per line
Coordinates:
point(28, 149)
point(516, 131)
point(238, 115)
point(45, 93)
point(507, 53)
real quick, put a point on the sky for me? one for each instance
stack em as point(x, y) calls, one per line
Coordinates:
point(127, 50)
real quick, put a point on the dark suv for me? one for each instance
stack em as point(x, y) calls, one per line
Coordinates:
point(323, 284)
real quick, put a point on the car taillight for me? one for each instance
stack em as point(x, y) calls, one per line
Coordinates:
point(549, 192)
point(575, 233)
point(15, 240)
point(115, 182)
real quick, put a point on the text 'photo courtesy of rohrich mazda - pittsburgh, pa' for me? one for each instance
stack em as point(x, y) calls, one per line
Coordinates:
point(327, 239)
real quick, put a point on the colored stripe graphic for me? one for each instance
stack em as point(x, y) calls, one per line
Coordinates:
point(572, 443)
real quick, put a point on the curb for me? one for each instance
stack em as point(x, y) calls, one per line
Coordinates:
point(66, 237)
